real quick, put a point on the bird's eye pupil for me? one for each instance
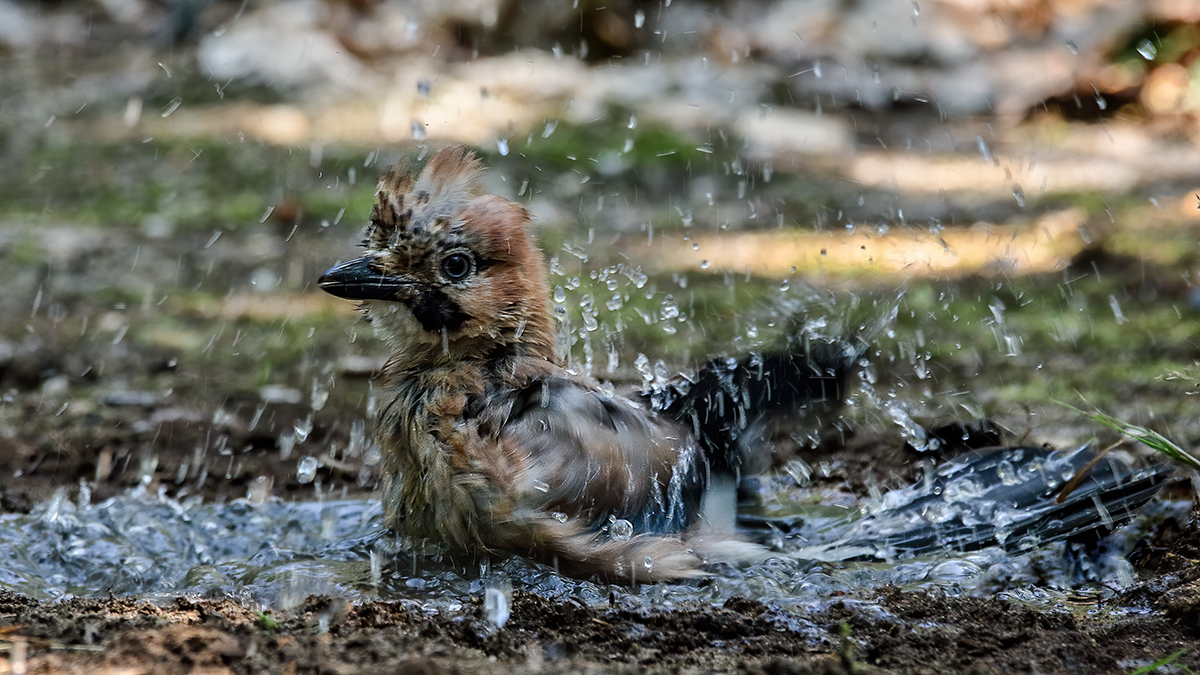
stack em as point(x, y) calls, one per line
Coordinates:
point(456, 266)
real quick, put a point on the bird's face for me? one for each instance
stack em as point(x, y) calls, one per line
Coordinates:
point(443, 267)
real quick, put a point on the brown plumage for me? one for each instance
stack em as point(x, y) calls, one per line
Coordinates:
point(490, 446)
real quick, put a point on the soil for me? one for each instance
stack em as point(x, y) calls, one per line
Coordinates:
point(882, 631)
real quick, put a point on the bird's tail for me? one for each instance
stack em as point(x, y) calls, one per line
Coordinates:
point(1008, 497)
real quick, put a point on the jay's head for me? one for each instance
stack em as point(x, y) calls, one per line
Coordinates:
point(446, 267)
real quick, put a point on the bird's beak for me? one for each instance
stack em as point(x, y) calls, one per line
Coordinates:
point(357, 280)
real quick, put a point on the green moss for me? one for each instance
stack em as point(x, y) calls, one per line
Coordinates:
point(193, 183)
point(605, 161)
point(1064, 340)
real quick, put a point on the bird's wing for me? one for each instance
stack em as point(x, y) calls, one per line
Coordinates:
point(595, 456)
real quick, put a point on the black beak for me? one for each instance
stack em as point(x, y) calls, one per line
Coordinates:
point(357, 280)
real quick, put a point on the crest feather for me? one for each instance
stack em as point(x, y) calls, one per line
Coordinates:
point(428, 201)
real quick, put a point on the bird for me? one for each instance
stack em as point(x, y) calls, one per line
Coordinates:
point(492, 447)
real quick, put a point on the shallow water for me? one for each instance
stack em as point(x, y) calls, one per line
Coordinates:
point(273, 554)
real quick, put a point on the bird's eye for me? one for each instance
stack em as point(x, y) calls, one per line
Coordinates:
point(456, 266)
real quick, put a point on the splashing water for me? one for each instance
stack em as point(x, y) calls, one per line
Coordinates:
point(497, 603)
point(274, 554)
point(143, 543)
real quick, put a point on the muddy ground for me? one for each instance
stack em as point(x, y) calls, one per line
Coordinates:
point(880, 630)
point(895, 632)
point(161, 224)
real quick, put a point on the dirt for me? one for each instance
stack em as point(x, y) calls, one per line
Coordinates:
point(882, 631)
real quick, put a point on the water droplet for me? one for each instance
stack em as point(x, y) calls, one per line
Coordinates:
point(303, 428)
point(502, 146)
point(983, 149)
point(418, 130)
point(639, 19)
point(496, 604)
point(784, 285)
point(1008, 473)
point(620, 530)
point(633, 121)
point(615, 302)
point(1019, 195)
point(373, 455)
point(286, 443)
point(1009, 342)
point(955, 572)
point(1146, 48)
point(997, 308)
point(172, 106)
point(1105, 516)
point(358, 438)
point(549, 128)
point(704, 264)
point(307, 470)
point(541, 486)
point(320, 394)
point(642, 365)
point(914, 433)
point(1072, 47)
point(1116, 310)
point(576, 251)
point(147, 464)
point(800, 472)
point(560, 295)
point(670, 310)
point(559, 516)
point(376, 568)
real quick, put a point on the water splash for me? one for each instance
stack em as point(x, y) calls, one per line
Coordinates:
point(275, 553)
point(307, 469)
point(497, 603)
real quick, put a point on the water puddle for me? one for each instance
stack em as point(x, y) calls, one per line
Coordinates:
point(941, 533)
